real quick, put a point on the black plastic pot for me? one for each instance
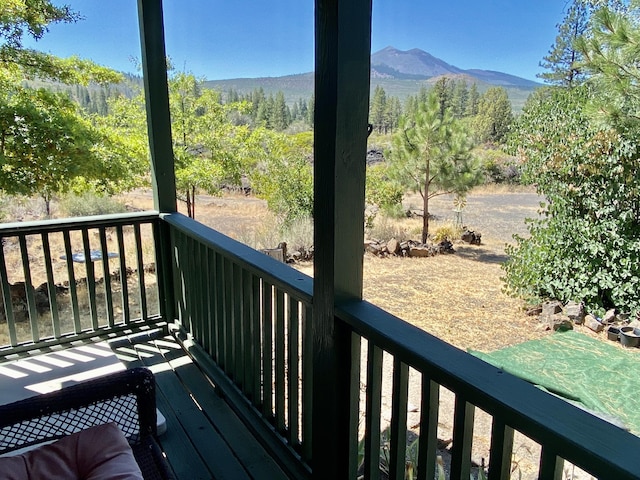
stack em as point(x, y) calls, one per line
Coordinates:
point(630, 337)
point(613, 333)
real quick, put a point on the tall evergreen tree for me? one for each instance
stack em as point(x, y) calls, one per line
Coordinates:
point(472, 101)
point(563, 60)
point(494, 117)
point(378, 109)
point(431, 154)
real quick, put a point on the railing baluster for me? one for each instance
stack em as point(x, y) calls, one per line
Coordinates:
point(550, 464)
point(247, 334)
point(463, 416)
point(6, 297)
point(279, 339)
point(106, 275)
point(354, 403)
point(209, 299)
point(124, 281)
point(501, 450)
point(91, 279)
point(293, 371)
point(220, 315)
point(229, 333)
point(256, 341)
point(373, 413)
point(307, 383)
point(427, 447)
point(144, 314)
point(28, 286)
point(73, 292)
point(399, 419)
point(51, 287)
point(238, 326)
point(267, 349)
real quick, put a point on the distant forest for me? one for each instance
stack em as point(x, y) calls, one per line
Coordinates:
point(274, 112)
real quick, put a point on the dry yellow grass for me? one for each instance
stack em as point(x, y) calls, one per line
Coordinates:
point(455, 297)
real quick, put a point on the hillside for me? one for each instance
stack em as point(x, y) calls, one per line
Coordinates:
point(400, 73)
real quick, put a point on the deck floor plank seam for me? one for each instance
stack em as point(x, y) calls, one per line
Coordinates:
point(254, 458)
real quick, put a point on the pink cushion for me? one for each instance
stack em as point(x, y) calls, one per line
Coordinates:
point(98, 453)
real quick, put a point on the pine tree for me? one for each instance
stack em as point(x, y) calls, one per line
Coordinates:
point(431, 154)
point(459, 98)
point(562, 61)
point(494, 116)
point(472, 101)
point(378, 109)
point(280, 115)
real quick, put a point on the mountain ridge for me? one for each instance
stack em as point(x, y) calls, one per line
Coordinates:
point(420, 65)
point(400, 73)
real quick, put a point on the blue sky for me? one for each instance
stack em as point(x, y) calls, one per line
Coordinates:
point(218, 39)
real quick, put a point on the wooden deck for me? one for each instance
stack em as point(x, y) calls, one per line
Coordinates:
point(204, 438)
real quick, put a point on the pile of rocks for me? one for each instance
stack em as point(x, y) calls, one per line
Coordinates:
point(408, 248)
point(554, 315)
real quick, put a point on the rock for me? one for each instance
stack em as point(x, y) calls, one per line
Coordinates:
point(551, 308)
point(374, 248)
point(393, 246)
point(559, 322)
point(609, 316)
point(445, 246)
point(534, 311)
point(592, 322)
point(420, 252)
point(469, 236)
point(575, 311)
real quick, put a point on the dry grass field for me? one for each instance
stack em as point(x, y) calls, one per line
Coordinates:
point(455, 297)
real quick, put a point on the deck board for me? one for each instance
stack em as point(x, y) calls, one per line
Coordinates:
point(204, 439)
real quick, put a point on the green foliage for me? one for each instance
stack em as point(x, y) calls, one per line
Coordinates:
point(563, 60)
point(494, 117)
point(90, 203)
point(208, 148)
point(380, 190)
point(431, 154)
point(611, 57)
point(586, 246)
point(283, 176)
point(19, 18)
point(498, 166)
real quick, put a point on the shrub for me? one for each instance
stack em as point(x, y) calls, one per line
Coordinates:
point(448, 231)
point(89, 204)
point(586, 246)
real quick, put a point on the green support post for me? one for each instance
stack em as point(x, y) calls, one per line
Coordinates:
point(154, 67)
point(343, 49)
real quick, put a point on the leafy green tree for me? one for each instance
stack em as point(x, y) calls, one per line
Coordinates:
point(381, 190)
point(431, 154)
point(19, 18)
point(205, 142)
point(494, 117)
point(585, 247)
point(46, 147)
point(283, 176)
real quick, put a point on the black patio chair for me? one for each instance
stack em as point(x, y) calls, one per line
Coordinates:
point(126, 398)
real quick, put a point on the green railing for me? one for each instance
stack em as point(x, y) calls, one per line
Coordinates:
point(246, 319)
point(63, 280)
point(250, 318)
